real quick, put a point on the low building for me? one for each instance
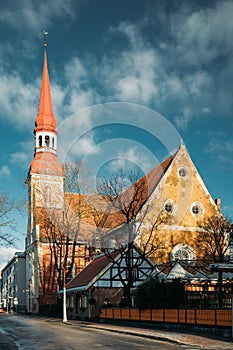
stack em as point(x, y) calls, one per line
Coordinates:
point(101, 283)
point(14, 291)
point(212, 288)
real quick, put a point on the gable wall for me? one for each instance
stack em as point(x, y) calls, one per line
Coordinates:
point(183, 193)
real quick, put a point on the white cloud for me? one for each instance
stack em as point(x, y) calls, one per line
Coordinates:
point(23, 156)
point(6, 253)
point(182, 120)
point(202, 34)
point(30, 15)
point(163, 76)
point(17, 100)
point(75, 72)
point(222, 152)
point(132, 157)
point(83, 148)
point(78, 100)
point(131, 75)
point(4, 171)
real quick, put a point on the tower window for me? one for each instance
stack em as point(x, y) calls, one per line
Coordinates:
point(53, 142)
point(48, 194)
point(47, 140)
point(40, 141)
point(183, 172)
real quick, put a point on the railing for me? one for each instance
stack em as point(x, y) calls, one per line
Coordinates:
point(198, 317)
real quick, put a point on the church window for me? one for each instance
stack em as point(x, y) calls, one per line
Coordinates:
point(183, 172)
point(53, 142)
point(181, 252)
point(47, 140)
point(169, 206)
point(40, 141)
point(197, 209)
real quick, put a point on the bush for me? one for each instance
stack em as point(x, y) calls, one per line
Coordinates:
point(154, 294)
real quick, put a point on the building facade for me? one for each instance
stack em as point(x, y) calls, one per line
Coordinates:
point(48, 245)
point(14, 291)
point(162, 210)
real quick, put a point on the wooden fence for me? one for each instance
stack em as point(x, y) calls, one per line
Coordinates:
point(198, 317)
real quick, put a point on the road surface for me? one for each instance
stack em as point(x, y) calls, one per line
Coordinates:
point(29, 333)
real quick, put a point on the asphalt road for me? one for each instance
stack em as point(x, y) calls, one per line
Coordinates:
point(28, 333)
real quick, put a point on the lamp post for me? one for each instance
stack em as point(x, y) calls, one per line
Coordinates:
point(64, 313)
point(64, 296)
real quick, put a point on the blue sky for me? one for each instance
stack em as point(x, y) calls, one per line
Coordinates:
point(168, 57)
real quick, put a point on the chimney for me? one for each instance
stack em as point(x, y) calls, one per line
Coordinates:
point(218, 203)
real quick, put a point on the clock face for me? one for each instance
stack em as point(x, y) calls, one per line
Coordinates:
point(183, 252)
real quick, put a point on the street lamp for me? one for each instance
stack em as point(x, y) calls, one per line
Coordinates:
point(64, 295)
point(64, 313)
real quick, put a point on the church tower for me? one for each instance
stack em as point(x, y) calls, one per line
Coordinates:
point(45, 188)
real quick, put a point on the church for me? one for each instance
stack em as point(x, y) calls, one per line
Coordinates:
point(160, 212)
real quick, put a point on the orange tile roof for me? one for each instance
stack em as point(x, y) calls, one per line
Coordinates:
point(45, 120)
point(46, 163)
point(86, 214)
point(133, 198)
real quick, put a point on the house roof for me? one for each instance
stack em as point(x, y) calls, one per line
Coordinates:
point(97, 268)
point(88, 214)
point(139, 192)
point(108, 214)
point(178, 271)
point(92, 271)
point(46, 163)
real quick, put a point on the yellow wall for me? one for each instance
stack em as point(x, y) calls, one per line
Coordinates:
point(180, 226)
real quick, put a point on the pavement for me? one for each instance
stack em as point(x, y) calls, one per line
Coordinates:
point(202, 340)
point(183, 338)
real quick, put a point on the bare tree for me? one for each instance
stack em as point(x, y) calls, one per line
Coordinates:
point(66, 232)
point(215, 238)
point(7, 221)
point(124, 206)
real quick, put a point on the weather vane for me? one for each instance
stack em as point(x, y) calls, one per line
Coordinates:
point(45, 34)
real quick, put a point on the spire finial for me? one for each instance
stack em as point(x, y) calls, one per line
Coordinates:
point(181, 143)
point(45, 34)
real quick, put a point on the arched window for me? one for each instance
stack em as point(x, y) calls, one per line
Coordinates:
point(40, 141)
point(47, 140)
point(48, 194)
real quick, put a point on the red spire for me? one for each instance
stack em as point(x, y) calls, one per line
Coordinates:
point(45, 120)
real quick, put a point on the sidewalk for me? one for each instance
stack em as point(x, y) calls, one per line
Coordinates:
point(205, 341)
